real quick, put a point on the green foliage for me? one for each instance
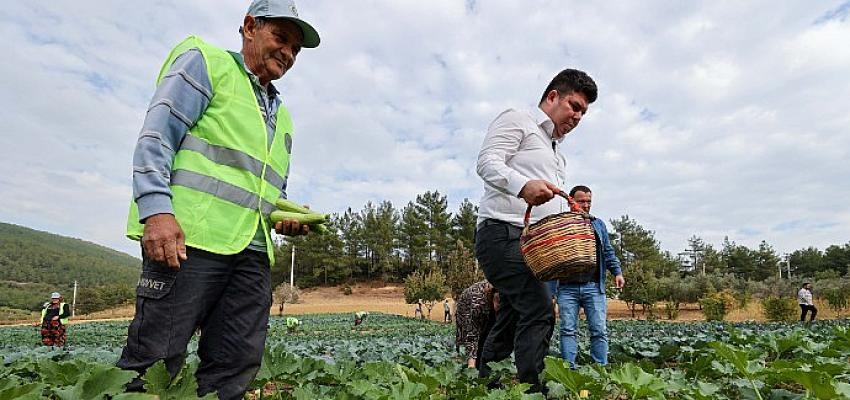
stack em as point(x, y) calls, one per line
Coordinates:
point(775, 287)
point(743, 262)
point(98, 298)
point(713, 309)
point(638, 383)
point(428, 287)
point(404, 358)
point(464, 222)
point(432, 207)
point(715, 306)
point(35, 263)
point(779, 308)
point(378, 242)
point(158, 382)
point(805, 262)
point(462, 270)
point(671, 310)
point(837, 294)
point(837, 258)
point(642, 289)
point(827, 275)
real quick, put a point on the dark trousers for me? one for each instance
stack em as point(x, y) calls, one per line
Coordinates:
point(525, 318)
point(227, 297)
point(805, 308)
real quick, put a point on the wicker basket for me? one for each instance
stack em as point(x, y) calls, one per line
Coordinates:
point(559, 246)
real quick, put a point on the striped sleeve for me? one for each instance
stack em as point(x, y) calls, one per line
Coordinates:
point(180, 99)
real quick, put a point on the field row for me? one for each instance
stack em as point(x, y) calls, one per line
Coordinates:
point(394, 357)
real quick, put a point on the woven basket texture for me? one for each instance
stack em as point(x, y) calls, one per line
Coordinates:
point(559, 246)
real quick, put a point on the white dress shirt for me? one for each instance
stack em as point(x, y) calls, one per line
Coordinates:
point(519, 147)
point(804, 296)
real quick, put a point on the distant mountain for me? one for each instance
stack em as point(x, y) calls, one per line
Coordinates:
point(34, 263)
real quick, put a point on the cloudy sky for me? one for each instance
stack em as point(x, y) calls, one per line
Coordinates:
point(715, 118)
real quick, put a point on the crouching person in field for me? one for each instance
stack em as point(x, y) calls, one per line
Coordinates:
point(359, 317)
point(54, 317)
point(475, 313)
point(210, 163)
point(292, 324)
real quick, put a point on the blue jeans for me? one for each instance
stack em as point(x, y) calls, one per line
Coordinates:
point(571, 296)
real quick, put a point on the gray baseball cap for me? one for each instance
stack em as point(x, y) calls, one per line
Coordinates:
point(285, 9)
point(55, 295)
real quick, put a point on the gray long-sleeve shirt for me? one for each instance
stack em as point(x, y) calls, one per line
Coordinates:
point(180, 99)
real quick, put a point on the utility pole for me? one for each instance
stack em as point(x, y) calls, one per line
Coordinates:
point(292, 270)
point(787, 259)
point(694, 255)
point(74, 301)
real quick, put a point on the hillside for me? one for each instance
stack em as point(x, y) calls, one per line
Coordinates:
point(34, 263)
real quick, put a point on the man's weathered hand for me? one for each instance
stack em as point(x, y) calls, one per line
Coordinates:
point(619, 281)
point(164, 241)
point(291, 227)
point(537, 192)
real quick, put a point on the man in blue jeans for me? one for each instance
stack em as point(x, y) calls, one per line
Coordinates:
point(588, 291)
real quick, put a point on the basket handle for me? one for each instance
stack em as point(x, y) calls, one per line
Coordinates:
point(574, 207)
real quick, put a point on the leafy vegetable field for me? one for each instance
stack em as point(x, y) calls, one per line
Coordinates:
point(392, 357)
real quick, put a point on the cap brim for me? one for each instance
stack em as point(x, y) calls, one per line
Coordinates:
point(311, 37)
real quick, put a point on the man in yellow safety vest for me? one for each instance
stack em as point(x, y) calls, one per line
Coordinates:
point(210, 162)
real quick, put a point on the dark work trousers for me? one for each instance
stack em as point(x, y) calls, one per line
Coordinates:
point(804, 309)
point(227, 296)
point(525, 318)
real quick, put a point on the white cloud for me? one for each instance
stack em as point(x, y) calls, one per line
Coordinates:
point(713, 119)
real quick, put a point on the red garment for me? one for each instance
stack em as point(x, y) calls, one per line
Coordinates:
point(53, 333)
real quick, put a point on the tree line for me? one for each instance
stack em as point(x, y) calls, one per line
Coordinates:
point(424, 237)
point(381, 242)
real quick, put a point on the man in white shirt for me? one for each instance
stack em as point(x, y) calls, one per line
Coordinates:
point(520, 165)
point(804, 298)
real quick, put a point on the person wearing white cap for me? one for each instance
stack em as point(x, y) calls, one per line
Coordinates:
point(54, 317)
point(210, 162)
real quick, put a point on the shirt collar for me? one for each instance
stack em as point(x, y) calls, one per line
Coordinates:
point(271, 91)
point(545, 123)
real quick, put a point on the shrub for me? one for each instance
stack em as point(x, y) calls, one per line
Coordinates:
point(837, 298)
point(778, 308)
point(671, 309)
point(716, 305)
point(461, 270)
point(284, 293)
point(713, 307)
point(428, 287)
point(346, 290)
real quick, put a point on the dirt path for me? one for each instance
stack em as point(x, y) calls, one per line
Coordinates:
point(389, 299)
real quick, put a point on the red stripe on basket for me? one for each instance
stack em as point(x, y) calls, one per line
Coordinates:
point(554, 239)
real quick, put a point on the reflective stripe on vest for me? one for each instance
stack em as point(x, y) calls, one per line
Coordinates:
point(234, 158)
point(220, 189)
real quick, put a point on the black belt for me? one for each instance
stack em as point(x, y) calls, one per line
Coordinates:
point(489, 222)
